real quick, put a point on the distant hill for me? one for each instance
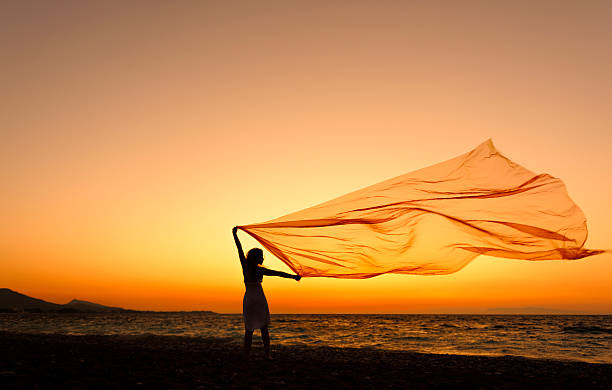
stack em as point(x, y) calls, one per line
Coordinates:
point(12, 301)
point(90, 306)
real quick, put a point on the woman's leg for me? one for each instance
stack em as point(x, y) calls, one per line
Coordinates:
point(265, 337)
point(248, 340)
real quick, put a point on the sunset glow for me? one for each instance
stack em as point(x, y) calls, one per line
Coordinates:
point(135, 137)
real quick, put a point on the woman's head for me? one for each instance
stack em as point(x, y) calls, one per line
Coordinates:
point(254, 257)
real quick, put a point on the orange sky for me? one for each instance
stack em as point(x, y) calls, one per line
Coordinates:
point(135, 136)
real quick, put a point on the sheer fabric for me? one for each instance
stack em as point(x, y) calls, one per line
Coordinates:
point(432, 221)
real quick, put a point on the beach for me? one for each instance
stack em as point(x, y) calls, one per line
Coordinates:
point(48, 361)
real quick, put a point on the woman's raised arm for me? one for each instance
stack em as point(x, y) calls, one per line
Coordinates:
point(239, 246)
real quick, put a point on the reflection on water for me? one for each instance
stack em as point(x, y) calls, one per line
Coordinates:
point(586, 338)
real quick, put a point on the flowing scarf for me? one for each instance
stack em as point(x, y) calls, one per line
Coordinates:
point(432, 221)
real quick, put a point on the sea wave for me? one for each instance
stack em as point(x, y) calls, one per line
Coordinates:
point(582, 338)
point(587, 329)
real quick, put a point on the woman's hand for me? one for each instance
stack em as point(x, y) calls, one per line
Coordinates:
point(297, 277)
point(234, 229)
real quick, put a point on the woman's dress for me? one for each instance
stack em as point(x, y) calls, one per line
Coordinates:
point(255, 312)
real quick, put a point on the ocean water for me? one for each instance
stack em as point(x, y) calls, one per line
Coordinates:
point(559, 337)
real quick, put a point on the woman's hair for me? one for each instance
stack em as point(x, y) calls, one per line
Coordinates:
point(254, 257)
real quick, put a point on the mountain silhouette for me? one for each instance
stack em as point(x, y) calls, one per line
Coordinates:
point(12, 301)
point(90, 306)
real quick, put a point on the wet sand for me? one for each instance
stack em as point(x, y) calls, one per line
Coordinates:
point(31, 361)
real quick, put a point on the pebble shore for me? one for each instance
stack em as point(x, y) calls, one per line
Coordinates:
point(53, 361)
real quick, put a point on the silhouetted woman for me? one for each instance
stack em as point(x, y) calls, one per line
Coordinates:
point(255, 312)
